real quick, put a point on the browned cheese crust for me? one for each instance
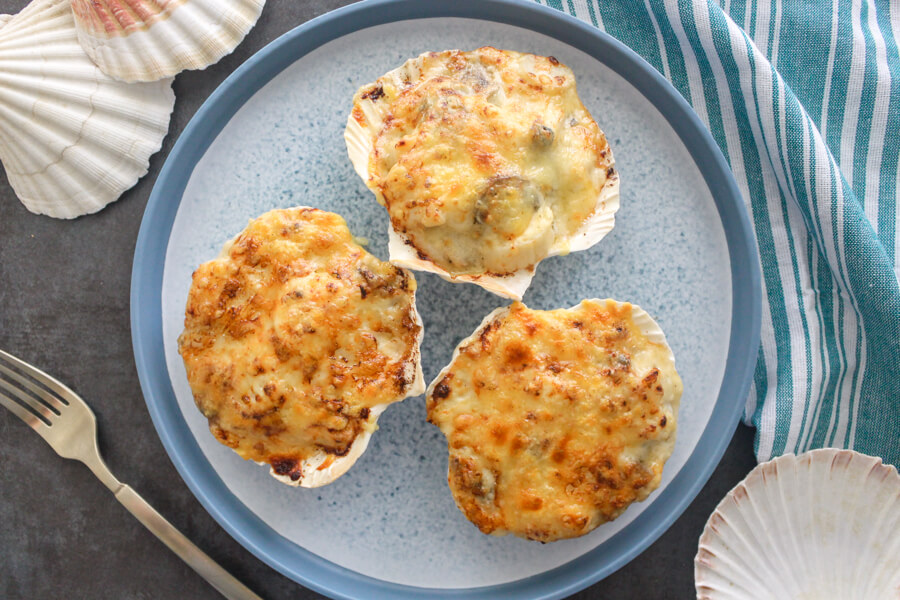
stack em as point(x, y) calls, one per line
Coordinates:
point(556, 421)
point(293, 335)
point(485, 159)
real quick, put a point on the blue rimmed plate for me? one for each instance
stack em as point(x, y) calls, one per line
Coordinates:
point(271, 136)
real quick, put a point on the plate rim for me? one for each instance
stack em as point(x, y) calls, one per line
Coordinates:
point(246, 527)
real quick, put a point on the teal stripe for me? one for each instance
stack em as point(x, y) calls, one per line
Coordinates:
point(851, 425)
point(630, 22)
point(557, 4)
point(807, 421)
point(823, 281)
point(866, 108)
point(751, 29)
point(763, 228)
point(773, 10)
point(839, 80)
point(877, 293)
point(839, 328)
point(831, 305)
point(737, 11)
point(777, 303)
point(710, 92)
point(798, 285)
point(887, 184)
point(819, 280)
point(761, 381)
point(677, 69)
point(593, 14)
point(836, 416)
point(829, 397)
point(836, 104)
point(804, 72)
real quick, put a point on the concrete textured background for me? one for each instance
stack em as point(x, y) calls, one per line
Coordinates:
point(64, 307)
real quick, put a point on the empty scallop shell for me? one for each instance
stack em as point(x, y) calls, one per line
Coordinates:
point(822, 525)
point(361, 139)
point(146, 40)
point(72, 139)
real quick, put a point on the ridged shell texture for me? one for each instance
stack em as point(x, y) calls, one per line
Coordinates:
point(146, 40)
point(72, 139)
point(819, 526)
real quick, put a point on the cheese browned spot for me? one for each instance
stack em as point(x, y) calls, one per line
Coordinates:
point(487, 161)
point(295, 337)
point(556, 421)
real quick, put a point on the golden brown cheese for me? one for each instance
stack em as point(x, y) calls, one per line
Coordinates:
point(486, 160)
point(294, 335)
point(556, 421)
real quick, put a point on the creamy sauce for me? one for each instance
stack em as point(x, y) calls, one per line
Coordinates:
point(557, 420)
point(486, 159)
point(293, 335)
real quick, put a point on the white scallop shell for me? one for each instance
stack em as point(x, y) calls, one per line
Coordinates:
point(360, 141)
point(72, 139)
point(819, 526)
point(146, 40)
point(312, 473)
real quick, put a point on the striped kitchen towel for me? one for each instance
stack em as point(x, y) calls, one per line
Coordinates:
point(804, 101)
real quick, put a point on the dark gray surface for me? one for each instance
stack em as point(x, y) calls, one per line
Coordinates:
point(64, 290)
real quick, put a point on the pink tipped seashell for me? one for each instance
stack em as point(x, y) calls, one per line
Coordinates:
point(72, 138)
point(147, 40)
point(824, 525)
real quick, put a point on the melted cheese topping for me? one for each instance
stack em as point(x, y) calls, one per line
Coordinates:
point(556, 421)
point(485, 160)
point(294, 335)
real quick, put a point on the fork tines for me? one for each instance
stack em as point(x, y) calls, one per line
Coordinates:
point(31, 394)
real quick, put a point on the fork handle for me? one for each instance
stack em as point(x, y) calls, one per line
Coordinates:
point(198, 560)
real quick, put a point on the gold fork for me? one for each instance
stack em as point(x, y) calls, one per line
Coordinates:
point(67, 423)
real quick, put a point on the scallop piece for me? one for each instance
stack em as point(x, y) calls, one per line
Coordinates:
point(72, 139)
point(823, 525)
point(147, 40)
point(487, 163)
point(295, 341)
point(556, 421)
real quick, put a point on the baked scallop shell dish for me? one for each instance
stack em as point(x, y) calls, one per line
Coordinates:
point(556, 421)
point(486, 161)
point(295, 340)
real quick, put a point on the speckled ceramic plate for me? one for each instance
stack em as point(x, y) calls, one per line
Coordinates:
point(271, 136)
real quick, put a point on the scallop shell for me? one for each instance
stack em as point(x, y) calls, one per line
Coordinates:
point(147, 40)
point(313, 474)
point(360, 141)
point(659, 450)
point(822, 525)
point(72, 139)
